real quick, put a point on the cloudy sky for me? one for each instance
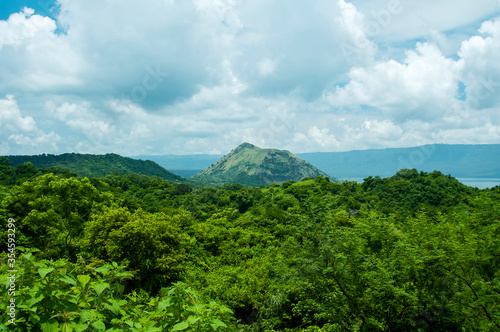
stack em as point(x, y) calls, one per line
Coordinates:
point(201, 76)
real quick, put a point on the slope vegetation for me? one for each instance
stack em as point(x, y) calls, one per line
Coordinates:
point(253, 166)
point(97, 165)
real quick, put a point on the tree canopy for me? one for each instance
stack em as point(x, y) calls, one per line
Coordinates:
point(416, 251)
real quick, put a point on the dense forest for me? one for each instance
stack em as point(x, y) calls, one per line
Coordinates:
point(416, 251)
point(92, 165)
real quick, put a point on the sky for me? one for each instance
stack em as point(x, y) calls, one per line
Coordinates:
point(159, 77)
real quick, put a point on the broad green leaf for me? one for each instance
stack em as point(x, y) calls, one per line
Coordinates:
point(192, 320)
point(180, 326)
point(165, 303)
point(34, 319)
point(44, 271)
point(100, 287)
point(86, 315)
point(81, 327)
point(41, 264)
point(99, 325)
point(215, 323)
point(35, 299)
point(84, 280)
point(67, 279)
point(115, 307)
point(50, 327)
point(66, 327)
point(125, 274)
point(225, 309)
point(103, 269)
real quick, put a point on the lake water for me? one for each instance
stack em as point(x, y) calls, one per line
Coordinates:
point(480, 183)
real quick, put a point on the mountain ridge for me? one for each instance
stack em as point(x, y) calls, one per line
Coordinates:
point(90, 165)
point(459, 160)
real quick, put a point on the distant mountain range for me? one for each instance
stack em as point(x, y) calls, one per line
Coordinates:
point(97, 165)
point(464, 161)
point(250, 165)
point(253, 166)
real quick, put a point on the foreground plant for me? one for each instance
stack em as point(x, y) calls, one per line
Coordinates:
point(64, 296)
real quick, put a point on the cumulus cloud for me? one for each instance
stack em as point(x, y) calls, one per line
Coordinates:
point(20, 134)
point(317, 137)
point(203, 75)
point(21, 28)
point(481, 69)
point(417, 19)
point(423, 86)
point(11, 118)
point(34, 58)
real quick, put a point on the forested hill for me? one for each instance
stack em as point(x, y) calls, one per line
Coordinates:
point(97, 165)
point(252, 166)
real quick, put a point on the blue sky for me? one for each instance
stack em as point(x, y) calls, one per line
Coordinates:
point(41, 7)
point(202, 76)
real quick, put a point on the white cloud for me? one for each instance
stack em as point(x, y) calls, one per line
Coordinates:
point(43, 141)
point(323, 138)
point(422, 87)
point(357, 47)
point(19, 134)
point(23, 28)
point(417, 19)
point(11, 118)
point(481, 68)
point(203, 75)
point(383, 130)
point(34, 58)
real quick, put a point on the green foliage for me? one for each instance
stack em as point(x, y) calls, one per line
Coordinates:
point(23, 172)
point(61, 296)
point(151, 244)
point(414, 252)
point(51, 212)
point(97, 165)
point(4, 161)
